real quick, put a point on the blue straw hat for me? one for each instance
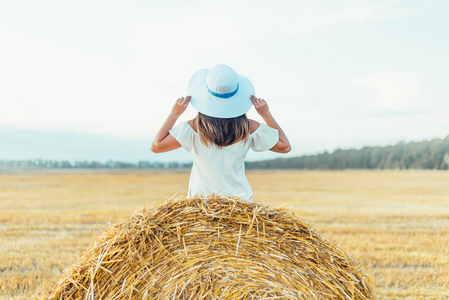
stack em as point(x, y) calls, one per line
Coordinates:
point(220, 92)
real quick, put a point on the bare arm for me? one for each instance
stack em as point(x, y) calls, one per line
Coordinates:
point(163, 141)
point(261, 106)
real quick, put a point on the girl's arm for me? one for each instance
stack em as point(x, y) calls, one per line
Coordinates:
point(164, 141)
point(261, 106)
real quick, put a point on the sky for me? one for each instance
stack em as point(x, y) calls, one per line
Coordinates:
point(96, 79)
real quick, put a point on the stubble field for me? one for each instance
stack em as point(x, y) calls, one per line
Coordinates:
point(395, 223)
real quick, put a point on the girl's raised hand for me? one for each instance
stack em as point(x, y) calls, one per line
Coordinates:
point(283, 145)
point(180, 106)
point(260, 105)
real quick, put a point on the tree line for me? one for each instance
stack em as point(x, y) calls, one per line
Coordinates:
point(433, 154)
point(110, 164)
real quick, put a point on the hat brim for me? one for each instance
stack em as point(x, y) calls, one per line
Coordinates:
point(207, 104)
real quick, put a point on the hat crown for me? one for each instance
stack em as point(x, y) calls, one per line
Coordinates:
point(222, 79)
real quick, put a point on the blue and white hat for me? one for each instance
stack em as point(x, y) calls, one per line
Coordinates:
point(220, 92)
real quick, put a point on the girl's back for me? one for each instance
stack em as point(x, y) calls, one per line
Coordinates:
point(221, 135)
point(221, 169)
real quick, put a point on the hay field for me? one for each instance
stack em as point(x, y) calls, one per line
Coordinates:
point(395, 223)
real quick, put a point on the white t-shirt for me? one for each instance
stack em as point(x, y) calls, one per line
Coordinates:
point(222, 170)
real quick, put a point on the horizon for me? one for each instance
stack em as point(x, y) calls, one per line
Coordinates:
point(124, 148)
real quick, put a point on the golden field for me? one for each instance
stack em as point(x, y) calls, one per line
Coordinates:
point(395, 223)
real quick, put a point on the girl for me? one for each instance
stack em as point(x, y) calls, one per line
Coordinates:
point(221, 134)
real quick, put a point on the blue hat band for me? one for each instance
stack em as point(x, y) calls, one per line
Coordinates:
point(227, 95)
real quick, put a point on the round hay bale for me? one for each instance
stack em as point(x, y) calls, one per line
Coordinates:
point(213, 248)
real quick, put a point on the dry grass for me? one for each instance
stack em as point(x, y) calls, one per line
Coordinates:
point(213, 248)
point(395, 223)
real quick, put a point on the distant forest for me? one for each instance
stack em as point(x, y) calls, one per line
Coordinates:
point(433, 154)
point(65, 164)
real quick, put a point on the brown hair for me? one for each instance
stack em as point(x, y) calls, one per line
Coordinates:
point(222, 131)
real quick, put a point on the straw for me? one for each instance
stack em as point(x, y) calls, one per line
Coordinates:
point(213, 248)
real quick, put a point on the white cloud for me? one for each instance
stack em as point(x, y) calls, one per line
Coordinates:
point(355, 11)
point(117, 68)
point(394, 93)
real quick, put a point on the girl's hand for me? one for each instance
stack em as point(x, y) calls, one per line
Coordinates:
point(283, 145)
point(260, 105)
point(180, 106)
